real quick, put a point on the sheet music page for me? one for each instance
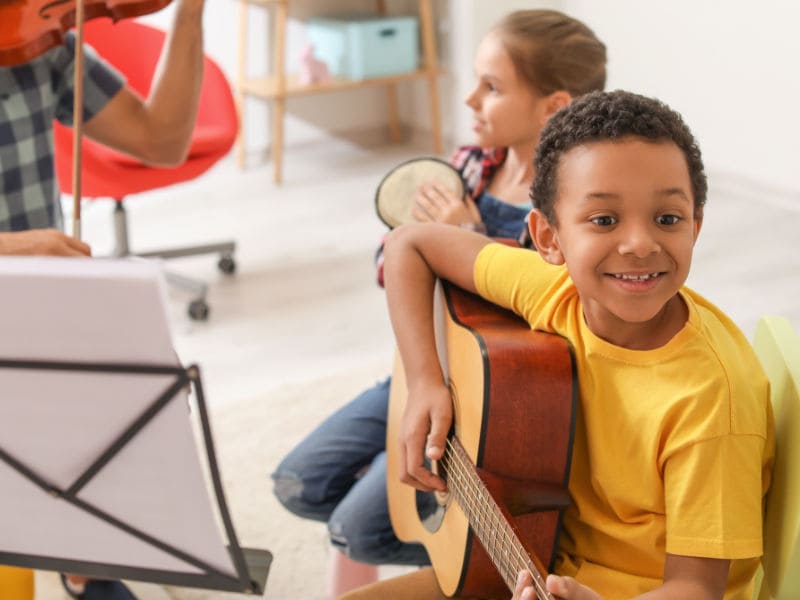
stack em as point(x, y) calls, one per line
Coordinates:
point(58, 422)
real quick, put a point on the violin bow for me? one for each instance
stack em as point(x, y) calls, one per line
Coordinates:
point(77, 121)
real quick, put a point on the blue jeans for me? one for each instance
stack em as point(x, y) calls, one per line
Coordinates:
point(338, 474)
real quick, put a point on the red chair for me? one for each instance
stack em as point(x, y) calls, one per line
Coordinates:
point(134, 49)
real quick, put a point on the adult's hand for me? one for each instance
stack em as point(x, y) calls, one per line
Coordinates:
point(44, 242)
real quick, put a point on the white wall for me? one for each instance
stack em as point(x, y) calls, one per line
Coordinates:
point(730, 68)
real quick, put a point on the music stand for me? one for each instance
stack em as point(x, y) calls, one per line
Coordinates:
point(99, 466)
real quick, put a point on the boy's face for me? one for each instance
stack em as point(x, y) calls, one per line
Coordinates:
point(626, 230)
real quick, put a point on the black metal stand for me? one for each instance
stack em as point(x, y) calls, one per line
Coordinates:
point(251, 566)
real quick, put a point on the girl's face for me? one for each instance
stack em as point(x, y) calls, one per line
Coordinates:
point(507, 111)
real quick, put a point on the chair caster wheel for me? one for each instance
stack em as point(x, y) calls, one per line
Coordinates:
point(198, 310)
point(227, 265)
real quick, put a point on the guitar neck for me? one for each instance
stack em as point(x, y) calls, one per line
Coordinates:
point(490, 522)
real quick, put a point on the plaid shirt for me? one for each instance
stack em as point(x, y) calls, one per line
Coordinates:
point(477, 166)
point(31, 96)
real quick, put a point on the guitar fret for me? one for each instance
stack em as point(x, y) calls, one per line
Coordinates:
point(511, 557)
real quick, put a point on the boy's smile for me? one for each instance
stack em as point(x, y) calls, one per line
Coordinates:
point(626, 230)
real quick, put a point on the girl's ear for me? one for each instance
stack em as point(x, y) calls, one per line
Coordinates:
point(556, 101)
point(545, 237)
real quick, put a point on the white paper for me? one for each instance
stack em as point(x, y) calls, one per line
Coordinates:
point(57, 423)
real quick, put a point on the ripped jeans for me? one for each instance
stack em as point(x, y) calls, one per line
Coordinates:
point(338, 474)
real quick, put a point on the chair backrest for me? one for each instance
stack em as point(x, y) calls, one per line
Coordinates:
point(134, 49)
point(131, 46)
point(778, 348)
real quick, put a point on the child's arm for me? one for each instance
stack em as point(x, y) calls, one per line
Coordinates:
point(684, 577)
point(415, 255)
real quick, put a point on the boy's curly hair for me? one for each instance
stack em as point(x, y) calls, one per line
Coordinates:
point(611, 116)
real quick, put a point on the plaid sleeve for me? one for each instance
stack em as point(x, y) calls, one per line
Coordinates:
point(467, 160)
point(379, 262)
point(101, 83)
point(477, 166)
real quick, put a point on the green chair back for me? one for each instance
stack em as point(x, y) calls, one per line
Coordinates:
point(778, 348)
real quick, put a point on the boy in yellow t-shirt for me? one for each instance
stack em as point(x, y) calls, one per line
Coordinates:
point(674, 441)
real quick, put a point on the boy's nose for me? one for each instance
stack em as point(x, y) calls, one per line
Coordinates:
point(638, 240)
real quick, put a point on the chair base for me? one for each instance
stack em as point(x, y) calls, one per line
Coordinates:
point(198, 309)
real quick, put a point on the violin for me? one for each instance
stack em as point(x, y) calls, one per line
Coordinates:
point(28, 28)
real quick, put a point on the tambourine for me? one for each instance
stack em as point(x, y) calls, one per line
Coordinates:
point(394, 199)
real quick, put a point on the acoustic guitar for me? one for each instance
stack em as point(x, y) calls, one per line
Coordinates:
point(507, 459)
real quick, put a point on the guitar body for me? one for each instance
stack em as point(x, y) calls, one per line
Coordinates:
point(514, 397)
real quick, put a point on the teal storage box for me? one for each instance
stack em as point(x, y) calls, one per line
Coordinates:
point(364, 47)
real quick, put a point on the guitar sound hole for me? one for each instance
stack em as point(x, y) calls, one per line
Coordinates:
point(431, 507)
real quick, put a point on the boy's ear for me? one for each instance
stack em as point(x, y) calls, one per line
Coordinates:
point(698, 223)
point(545, 238)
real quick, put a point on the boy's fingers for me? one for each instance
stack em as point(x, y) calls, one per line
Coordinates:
point(568, 588)
point(413, 471)
point(418, 474)
point(524, 590)
point(437, 438)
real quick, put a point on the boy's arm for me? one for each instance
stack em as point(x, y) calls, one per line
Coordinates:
point(692, 577)
point(684, 577)
point(415, 255)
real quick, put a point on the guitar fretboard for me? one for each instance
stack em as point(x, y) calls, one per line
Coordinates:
point(488, 520)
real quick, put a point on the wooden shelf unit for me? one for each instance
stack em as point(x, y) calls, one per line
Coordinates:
point(277, 86)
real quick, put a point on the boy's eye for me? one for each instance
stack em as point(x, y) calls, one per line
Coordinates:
point(668, 220)
point(604, 221)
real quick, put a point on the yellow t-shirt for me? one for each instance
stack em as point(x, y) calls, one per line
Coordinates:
point(673, 446)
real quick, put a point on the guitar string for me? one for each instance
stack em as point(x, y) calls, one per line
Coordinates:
point(509, 538)
point(462, 492)
point(467, 476)
point(484, 501)
point(464, 475)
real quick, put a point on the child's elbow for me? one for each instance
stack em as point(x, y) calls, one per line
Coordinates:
point(397, 238)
